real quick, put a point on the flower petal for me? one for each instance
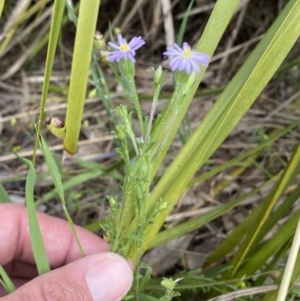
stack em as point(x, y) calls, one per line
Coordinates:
point(178, 48)
point(185, 46)
point(201, 58)
point(121, 40)
point(136, 43)
point(113, 45)
point(184, 59)
point(127, 52)
point(195, 66)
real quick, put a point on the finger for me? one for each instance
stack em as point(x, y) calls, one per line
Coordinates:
point(103, 276)
point(59, 241)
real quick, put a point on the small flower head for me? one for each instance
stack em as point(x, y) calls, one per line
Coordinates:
point(99, 41)
point(56, 126)
point(186, 59)
point(124, 50)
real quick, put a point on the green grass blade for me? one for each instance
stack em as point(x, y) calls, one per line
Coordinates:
point(73, 182)
point(228, 110)
point(193, 224)
point(18, 11)
point(144, 297)
point(237, 235)
point(289, 268)
point(55, 175)
point(295, 276)
point(267, 250)
point(4, 197)
point(56, 22)
point(5, 281)
point(289, 174)
point(184, 24)
point(37, 243)
point(87, 19)
point(242, 156)
point(1, 7)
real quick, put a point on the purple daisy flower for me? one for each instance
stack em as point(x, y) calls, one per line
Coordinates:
point(124, 50)
point(186, 59)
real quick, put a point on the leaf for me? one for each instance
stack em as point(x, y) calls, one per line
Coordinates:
point(55, 175)
point(86, 25)
point(289, 174)
point(38, 247)
point(55, 28)
point(6, 282)
point(195, 223)
point(4, 197)
point(1, 6)
point(184, 23)
point(237, 235)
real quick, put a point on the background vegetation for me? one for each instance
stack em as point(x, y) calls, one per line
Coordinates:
point(232, 227)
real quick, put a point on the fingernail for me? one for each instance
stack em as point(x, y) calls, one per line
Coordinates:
point(109, 278)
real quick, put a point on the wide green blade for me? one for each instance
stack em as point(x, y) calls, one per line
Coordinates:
point(86, 26)
point(228, 110)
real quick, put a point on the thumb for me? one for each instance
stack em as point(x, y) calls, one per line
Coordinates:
point(98, 277)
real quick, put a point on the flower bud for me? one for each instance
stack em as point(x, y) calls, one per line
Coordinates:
point(99, 41)
point(56, 126)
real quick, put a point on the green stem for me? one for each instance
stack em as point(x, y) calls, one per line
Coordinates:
point(122, 210)
point(137, 105)
point(149, 127)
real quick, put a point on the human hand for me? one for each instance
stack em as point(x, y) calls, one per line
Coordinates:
point(99, 276)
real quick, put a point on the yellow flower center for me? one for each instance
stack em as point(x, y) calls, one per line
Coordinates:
point(187, 53)
point(124, 47)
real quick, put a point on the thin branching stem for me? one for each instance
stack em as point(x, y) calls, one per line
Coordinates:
point(149, 126)
point(137, 105)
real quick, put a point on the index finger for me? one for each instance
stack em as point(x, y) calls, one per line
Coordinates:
point(61, 247)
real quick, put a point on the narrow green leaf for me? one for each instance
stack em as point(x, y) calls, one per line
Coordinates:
point(4, 197)
point(1, 7)
point(53, 169)
point(268, 249)
point(242, 156)
point(237, 235)
point(193, 224)
point(295, 277)
point(56, 22)
point(71, 183)
point(18, 12)
point(184, 23)
point(38, 247)
point(289, 174)
point(279, 213)
point(6, 282)
point(55, 175)
point(144, 297)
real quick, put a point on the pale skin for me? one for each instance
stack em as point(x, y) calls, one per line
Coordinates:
point(100, 275)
